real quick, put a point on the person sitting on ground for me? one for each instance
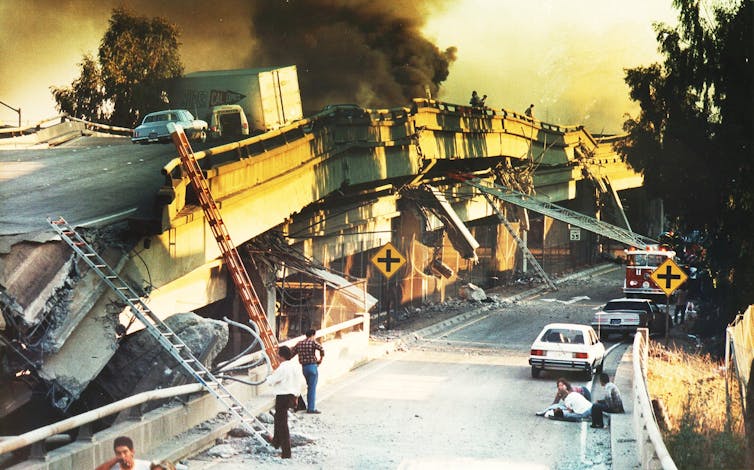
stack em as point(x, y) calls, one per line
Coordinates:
point(611, 402)
point(124, 459)
point(564, 388)
point(576, 408)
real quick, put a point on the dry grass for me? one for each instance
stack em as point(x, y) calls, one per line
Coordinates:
point(705, 430)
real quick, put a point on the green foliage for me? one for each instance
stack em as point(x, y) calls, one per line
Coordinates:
point(135, 55)
point(693, 447)
point(686, 444)
point(693, 136)
point(85, 97)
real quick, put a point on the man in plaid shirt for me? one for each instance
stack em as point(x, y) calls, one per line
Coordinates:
point(306, 350)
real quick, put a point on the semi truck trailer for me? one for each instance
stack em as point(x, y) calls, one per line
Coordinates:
point(242, 101)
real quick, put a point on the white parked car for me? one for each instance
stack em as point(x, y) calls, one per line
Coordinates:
point(154, 127)
point(567, 346)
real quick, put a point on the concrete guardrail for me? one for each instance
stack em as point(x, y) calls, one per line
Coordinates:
point(650, 447)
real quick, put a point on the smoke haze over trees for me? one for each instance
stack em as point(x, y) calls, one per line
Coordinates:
point(135, 54)
point(359, 51)
point(693, 137)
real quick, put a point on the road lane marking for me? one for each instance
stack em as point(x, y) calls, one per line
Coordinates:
point(573, 300)
point(107, 218)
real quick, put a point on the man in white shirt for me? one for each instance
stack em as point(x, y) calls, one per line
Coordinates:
point(577, 406)
point(286, 382)
point(124, 459)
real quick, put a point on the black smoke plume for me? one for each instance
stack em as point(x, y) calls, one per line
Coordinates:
point(366, 52)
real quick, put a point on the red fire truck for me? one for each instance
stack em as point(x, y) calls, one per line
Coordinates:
point(639, 265)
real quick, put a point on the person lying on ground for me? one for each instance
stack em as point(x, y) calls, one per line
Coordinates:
point(576, 409)
point(563, 389)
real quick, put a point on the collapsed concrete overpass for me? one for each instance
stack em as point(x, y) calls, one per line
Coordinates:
point(333, 187)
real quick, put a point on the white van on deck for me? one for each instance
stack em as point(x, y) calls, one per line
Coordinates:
point(228, 120)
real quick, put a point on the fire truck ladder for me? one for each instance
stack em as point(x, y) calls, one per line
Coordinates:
point(231, 257)
point(524, 249)
point(158, 329)
point(561, 213)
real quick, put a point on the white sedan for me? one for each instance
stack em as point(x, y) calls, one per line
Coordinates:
point(567, 346)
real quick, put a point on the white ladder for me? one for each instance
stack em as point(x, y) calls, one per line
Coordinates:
point(159, 330)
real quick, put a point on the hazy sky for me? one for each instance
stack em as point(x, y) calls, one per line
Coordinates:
point(566, 57)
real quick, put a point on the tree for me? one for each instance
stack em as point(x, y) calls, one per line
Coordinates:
point(693, 136)
point(85, 97)
point(135, 55)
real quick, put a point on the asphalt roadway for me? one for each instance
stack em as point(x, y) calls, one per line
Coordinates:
point(88, 181)
point(459, 396)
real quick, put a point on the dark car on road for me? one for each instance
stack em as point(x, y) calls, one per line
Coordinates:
point(624, 316)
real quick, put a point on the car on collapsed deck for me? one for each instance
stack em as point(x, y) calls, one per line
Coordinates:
point(623, 316)
point(567, 347)
point(154, 127)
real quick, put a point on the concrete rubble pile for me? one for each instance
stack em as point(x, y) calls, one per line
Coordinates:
point(57, 311)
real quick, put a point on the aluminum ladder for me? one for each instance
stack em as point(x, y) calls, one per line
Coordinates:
point(561, 213)
point(159, 330)
point(524, 249)
point(249, 297)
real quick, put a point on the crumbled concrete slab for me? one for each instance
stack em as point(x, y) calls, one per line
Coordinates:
point(30, 274)
point(142, 364)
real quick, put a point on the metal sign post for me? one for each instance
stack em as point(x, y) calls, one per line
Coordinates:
point(388, 260)
point(668, 277)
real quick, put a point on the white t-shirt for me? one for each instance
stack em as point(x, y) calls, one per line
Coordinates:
point(287, 379)
point(138, 465)
point(577, 403)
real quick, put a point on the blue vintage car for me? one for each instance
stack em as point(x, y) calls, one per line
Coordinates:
point(154, 127)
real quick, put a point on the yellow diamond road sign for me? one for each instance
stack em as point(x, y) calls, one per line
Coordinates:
point(668, 276)
point(388, 260)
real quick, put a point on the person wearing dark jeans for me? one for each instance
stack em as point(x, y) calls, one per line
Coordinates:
point(287, 382)
point(610, 403)
point(597, 418)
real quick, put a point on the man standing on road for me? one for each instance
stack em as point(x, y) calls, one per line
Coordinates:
point(286, 382)
point(124, 459)
point(307, 356)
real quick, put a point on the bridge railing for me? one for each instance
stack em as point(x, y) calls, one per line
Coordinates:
point(8, 132)
point(650, 447)
point(36, 438)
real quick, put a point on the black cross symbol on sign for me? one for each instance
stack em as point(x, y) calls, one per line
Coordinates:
point(388, 260)
point(668, 276)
